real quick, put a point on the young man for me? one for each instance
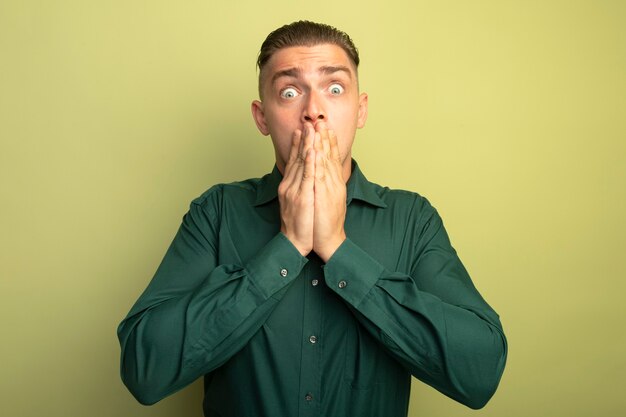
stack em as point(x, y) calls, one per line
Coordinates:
point(311, 291)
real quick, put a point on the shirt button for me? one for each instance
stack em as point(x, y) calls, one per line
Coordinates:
point(283, 272)
point(314, 282)
point(342, 284)
point(313, 339)
point(308, 397)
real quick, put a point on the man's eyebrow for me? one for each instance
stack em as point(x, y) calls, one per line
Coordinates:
point(331, 69)
point(289, 72)
point(326, 70)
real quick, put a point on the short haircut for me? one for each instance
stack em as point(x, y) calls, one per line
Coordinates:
point(304, 33)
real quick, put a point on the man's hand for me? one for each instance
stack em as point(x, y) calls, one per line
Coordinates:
point(330, 194)
point(296, 193)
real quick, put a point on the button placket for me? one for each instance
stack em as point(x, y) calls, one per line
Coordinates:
point(311, 353)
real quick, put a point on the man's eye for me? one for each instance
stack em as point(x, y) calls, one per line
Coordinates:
point(335, 89)
point(289, 93)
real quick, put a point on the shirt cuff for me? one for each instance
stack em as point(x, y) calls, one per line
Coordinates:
point(277, 264)
point(351, 272)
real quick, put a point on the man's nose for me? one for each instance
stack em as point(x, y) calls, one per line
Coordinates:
point(313, 109)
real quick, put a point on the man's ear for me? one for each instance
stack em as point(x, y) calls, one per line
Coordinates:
point(362, 115)
point(259, 117)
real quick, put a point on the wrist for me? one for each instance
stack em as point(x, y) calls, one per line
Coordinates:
point(326, 251)
point(303, 248)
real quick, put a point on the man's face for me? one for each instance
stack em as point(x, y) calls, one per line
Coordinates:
point(310, 84)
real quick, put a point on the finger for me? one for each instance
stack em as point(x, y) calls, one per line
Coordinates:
point(320, 167)
point(317, 144)
point(326, 144)
point(301, 158)
point(334, 146)
point(308, 176)
point(291, 170)
point(306, 146)
point(303, 147)
point(299, 175)
point(333, 164)
point(309, 138)
point(322, 128)
point(296, 145)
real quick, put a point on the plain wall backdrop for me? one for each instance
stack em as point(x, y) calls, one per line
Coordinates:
point(509, 116)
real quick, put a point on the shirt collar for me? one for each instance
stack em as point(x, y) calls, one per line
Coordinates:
point(268, 187)
point(359, 188)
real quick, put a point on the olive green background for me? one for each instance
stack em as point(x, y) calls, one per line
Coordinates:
point(510, 116)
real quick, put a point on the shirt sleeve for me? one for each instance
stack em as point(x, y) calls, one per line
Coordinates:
point(432, 320)
point(195, 314)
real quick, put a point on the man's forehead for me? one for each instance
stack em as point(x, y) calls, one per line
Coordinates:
point(295, 60)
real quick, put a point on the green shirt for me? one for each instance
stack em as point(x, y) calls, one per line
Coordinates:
point(278, 334)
